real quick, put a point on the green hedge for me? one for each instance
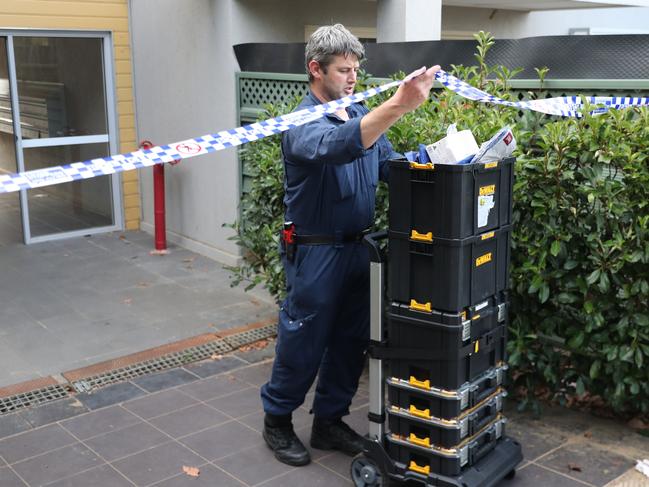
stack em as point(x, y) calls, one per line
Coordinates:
point(580, 246)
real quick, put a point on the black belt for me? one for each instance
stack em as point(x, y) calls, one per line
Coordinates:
point(329, 239)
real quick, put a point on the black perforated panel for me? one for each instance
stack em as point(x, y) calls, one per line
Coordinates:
point(568, 57)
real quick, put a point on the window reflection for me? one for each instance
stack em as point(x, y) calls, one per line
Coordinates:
point(7, 145)
point(60, 86)
point(69, 206)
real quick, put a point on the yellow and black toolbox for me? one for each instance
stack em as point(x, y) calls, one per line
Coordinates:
point(438, 327)
point(419, 456)
point(421, 427)
point(450, 201)
point(449, 275)
point(420, 397)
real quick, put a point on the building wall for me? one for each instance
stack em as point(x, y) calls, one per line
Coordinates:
point(629, 20)
point(284, 20)
point(504, 24)
point(510, 24)
point(91, 15)
point(185, 87)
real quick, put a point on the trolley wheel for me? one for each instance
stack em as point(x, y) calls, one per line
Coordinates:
point(366, 473)
point(511, 474)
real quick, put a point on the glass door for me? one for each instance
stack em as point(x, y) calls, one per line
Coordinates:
point(65, 112)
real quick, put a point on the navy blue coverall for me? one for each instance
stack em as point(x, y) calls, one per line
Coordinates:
point(330, 189)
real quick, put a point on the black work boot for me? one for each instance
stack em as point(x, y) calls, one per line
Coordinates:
point(334, 434)
point(280, 437)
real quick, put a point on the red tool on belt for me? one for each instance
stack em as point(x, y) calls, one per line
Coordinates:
point(288, 240)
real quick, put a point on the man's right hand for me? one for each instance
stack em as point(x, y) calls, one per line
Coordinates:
point(411, 93)
point(415, 88)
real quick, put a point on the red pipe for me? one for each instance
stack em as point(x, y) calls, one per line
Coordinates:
point(158, 204)
point(159, 207)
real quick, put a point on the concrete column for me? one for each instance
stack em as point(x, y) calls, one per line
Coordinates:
point(409, 20)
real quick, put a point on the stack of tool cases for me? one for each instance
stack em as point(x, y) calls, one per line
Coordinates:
point(446, 314)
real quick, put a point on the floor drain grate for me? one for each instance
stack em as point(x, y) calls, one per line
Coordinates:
point(176, 359)
point(250, 336)
point(32, 398)
point(159, 364)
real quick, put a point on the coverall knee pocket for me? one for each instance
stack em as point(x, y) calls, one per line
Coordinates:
point(295, 339)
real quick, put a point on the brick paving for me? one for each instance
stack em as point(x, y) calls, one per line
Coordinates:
point(208, 415)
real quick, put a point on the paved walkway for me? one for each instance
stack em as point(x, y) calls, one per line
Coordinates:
point(72, 303)
point(208, 415)
point(77, 302)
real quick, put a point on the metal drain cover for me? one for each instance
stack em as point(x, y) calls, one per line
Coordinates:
point(159, 364)
point(32, 398)
point(239, 339)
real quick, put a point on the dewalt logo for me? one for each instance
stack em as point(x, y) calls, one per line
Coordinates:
point(487, 190)
point(483, 259)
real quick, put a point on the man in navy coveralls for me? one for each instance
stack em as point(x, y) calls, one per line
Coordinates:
point(332, 166)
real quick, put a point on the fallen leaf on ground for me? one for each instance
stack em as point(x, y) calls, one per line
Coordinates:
point(191, 471)
point(638, 424)
point(127, 301)
point(216, 356)
point(572, 466)
point(588, 434)
point(258, 345)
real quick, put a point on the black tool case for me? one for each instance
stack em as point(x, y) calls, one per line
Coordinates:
point(447, 274)
point(428, 401)
point(444, 433)
point(417, 456)
point(436, 328)
point(451, 201)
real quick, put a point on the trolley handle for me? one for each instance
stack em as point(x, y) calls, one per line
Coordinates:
point(371, 240)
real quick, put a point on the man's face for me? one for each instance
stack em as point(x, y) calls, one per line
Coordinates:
point(340, 77)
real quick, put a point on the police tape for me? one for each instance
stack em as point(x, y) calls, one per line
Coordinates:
point(566, 106)
point(562, 106)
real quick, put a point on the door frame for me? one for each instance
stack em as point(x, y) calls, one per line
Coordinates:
point(112, 138)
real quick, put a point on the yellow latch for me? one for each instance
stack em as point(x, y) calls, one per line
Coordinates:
point(477, 346)
point(419, 441)
point(422, 413)
point(427, 307)
point(416, 468)
point(422, 384)
point(422, 237)
point(490, 165)
point(428, 166)
point(488, 235)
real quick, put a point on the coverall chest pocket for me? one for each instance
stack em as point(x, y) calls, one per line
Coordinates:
point(345, 177)
point(371, 166)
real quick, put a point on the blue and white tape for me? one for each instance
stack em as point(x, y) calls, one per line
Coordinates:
point(564, 106)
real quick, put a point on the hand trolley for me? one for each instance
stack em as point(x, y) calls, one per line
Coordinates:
point(481, 459)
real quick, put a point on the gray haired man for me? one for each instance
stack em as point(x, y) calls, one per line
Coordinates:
point(332, 166)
